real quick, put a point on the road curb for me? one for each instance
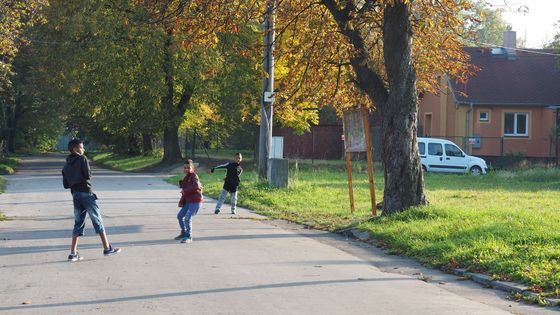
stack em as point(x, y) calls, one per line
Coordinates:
point(509, 287)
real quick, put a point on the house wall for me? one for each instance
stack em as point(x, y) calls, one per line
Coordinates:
point(442, 109)
point(452, 126)
point(429, 106)
point(536, 144)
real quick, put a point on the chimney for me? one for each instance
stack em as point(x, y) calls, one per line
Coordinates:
point(510, 42)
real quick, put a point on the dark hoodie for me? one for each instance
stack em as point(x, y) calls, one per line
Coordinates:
point(76, 174)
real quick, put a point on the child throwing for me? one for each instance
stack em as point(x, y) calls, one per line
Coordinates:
point(231, 182)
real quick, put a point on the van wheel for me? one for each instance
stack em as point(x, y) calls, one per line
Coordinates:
point(424, 169)
point(476, 171)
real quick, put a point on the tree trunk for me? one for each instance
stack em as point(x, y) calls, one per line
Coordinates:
point(397, 102)
point(402, 169)
point(133, 146)
point(171, 150)
point(147, 143)
point(173, 112)
point(3, 127)
point(13, 121)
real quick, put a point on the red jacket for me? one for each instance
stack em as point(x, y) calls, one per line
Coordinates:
point(191, 189)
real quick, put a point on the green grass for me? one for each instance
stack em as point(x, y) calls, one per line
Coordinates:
point(2, 184)
point(504, 224)
point(7, 165)
point(123, 162)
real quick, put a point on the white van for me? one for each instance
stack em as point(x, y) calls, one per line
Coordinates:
point(439, 155)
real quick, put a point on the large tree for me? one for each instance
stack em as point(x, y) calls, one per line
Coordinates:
point(191, 28)
point(99, 70)
point(15, 17)
point(375, 53)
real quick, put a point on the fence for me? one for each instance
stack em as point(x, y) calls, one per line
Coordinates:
point(495, 148)
point(322, 142)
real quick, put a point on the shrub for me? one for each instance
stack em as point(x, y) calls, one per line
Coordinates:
point(6, 170)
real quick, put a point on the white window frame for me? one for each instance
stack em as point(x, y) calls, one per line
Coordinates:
point(515, 134)
point(487, 118)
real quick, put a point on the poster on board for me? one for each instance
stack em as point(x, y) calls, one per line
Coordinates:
point(353, 124)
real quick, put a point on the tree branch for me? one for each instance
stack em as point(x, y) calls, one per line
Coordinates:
point(369, 80)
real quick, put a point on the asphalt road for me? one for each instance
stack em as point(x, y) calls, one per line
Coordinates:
point(240, 264)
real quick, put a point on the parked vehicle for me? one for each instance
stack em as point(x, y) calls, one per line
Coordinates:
point(439, 155)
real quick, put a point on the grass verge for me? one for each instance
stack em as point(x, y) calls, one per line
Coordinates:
point(504, 224)
point(7, 165)
point(123, 162)
point(2, 189)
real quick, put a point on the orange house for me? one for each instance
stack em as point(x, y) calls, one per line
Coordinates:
point(509, 106)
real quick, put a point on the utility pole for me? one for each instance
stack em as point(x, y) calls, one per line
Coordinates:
point(267, 98)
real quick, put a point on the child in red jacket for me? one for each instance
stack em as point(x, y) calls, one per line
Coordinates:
point(191, 200)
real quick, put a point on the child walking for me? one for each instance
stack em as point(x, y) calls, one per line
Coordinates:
point(231, 182)
point(191, 200)
point(76, 176)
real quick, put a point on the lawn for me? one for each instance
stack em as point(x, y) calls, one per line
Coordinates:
point(2, 189)
point(124, 163)
point(504, 224)
point(7, 165)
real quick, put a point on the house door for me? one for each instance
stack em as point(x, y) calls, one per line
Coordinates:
point(427, 125)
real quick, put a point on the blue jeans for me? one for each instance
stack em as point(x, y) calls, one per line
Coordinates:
point(222, 198)
point(185, 215)
point(84, 202)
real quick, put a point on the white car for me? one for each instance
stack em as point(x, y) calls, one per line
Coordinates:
point(439, 155)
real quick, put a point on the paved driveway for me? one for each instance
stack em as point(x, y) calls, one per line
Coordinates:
point(236, 265)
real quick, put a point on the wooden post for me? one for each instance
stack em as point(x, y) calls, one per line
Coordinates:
point(348, 167)
point(369, 153)
point(349, 172)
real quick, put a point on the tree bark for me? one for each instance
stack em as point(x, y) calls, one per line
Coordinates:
point(402, 168)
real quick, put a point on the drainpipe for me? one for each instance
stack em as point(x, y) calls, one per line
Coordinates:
point(467, 124)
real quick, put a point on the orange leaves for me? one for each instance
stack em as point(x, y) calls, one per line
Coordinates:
point(316, 55)
point(197, 21)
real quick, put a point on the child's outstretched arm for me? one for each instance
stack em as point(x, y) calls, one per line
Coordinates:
point(218, 167)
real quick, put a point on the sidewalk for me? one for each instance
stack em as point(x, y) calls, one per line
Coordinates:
point(240, 264)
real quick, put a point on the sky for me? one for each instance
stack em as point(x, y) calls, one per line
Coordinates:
point(531, 19)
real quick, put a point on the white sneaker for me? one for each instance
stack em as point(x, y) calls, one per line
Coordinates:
point(75, 257)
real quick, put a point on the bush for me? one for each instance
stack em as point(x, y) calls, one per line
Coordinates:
point(6, 170)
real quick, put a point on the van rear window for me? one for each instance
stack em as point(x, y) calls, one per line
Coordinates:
point(422, 148)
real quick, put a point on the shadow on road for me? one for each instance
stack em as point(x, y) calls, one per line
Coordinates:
point(203, 292)
point(60, 233)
